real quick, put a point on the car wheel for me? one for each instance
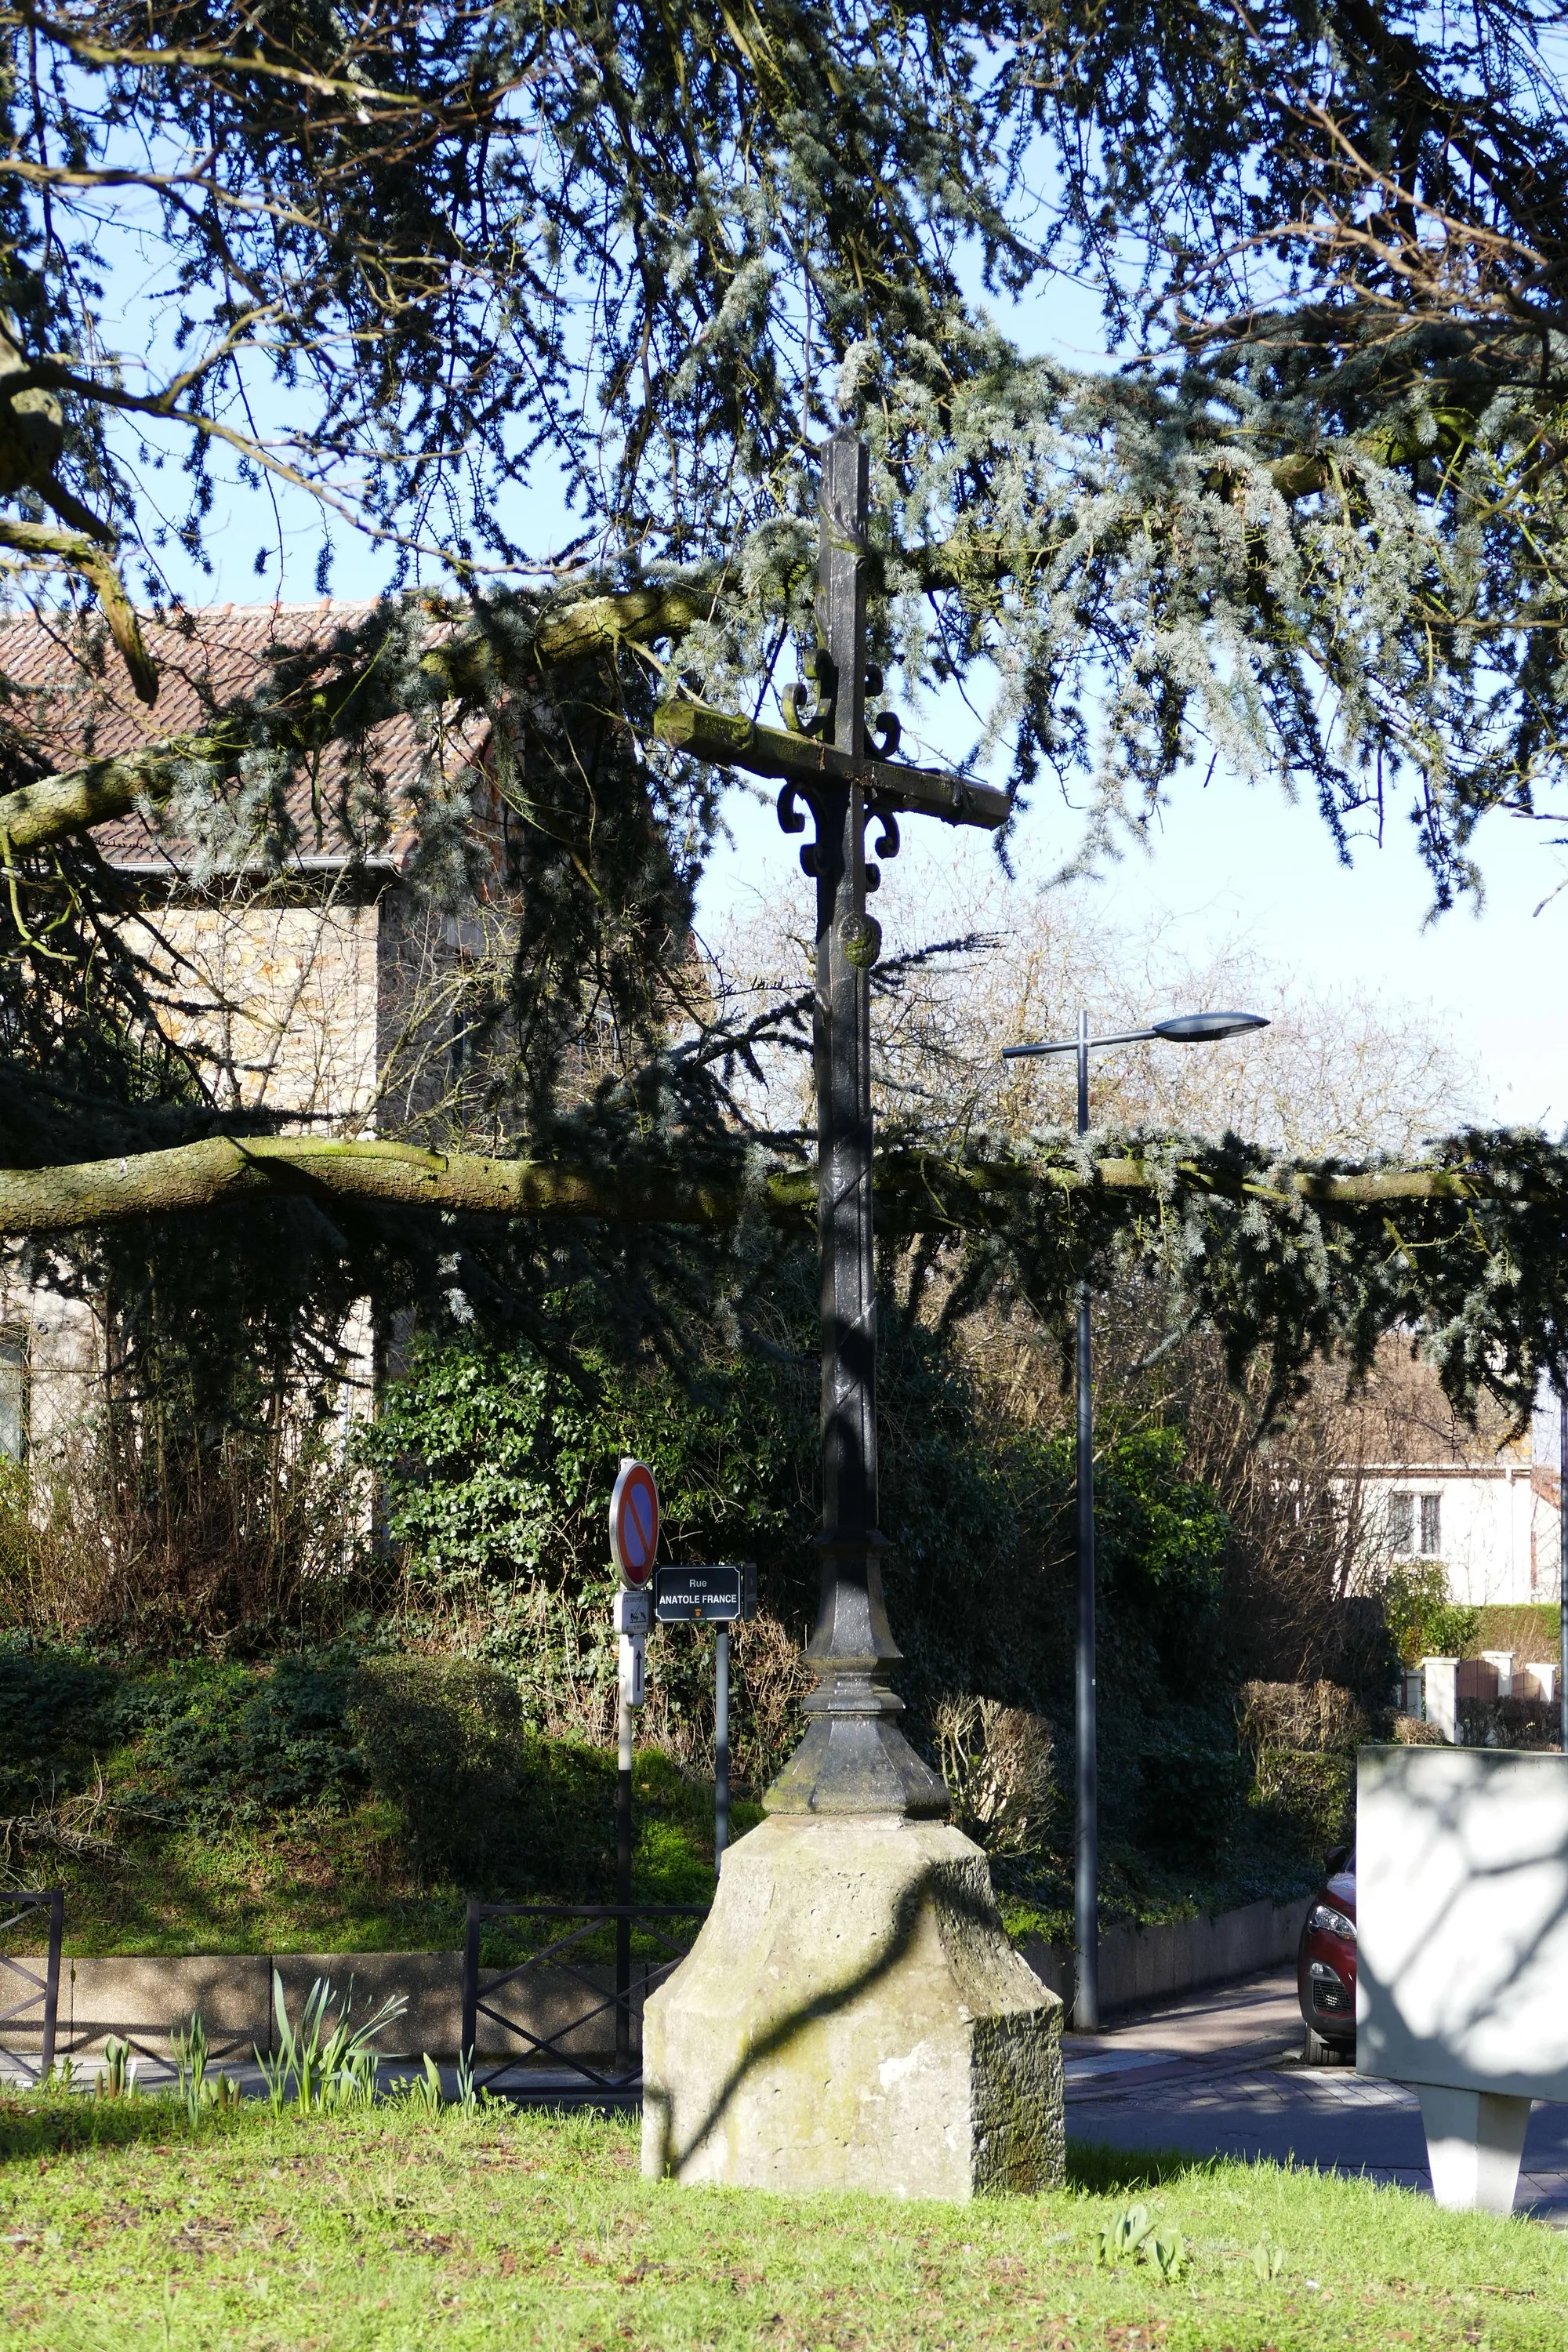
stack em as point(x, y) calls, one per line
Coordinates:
point(1319, 2053)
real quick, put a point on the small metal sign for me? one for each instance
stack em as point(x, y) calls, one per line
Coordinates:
point(632, 1668)
point(634, 1613)
point(686, 1596)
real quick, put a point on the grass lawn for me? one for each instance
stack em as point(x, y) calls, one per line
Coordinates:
point(399, 2228)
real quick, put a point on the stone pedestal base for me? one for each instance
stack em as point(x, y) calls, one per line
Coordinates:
point(852, 2016)
point(1475, 2140)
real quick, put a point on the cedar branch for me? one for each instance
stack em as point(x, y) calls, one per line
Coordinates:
point(918, 1191)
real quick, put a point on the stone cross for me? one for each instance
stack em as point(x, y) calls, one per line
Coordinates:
point(852, 2014)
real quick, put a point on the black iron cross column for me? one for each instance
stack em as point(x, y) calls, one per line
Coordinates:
point(853, 1758)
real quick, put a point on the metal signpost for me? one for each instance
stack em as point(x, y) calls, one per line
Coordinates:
point(633, 1546)
point(1181, 1029)
point(853, 1758)
point(716, 1596)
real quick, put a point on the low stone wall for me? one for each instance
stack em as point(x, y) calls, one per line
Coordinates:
point(146, 2000)
point(1145, 1963)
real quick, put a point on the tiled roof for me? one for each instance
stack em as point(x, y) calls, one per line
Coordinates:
point(82, 706)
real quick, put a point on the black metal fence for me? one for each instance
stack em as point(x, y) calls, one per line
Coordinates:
point(595, 2067)
point(38, 2009)
point(591, 2073)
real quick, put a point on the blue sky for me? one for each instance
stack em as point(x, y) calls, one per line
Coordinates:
point(1238, 866)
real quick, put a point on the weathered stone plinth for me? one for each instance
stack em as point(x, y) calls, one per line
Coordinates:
point(852, 2016)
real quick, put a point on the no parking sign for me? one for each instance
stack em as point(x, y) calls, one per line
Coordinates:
point(634, 1523)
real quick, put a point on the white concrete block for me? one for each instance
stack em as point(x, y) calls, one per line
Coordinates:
point(1462, 1919)
point(1541, 1679)
point(1503, 1661)
point(1475, 2140)
point(1439, 1681)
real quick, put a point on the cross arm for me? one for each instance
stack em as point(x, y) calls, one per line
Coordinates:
point(728, 740)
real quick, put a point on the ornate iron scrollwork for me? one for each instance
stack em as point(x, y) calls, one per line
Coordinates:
point(815, 718)
point(883, 734)
point(792, 819)
point(808, 709)
point(887, 844)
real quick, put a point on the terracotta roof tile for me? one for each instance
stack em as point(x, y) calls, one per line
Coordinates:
point(80, 704)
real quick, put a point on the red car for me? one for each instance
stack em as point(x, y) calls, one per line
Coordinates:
point(1325, 1964)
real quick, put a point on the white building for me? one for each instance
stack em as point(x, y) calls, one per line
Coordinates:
point(1491, 1519)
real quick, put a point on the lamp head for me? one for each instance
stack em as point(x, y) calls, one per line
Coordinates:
point(1205, 1028)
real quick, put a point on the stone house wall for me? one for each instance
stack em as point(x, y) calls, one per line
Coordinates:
point(291, 997)
point(285, 994)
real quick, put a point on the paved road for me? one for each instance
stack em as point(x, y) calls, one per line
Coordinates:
point(1219, 2073)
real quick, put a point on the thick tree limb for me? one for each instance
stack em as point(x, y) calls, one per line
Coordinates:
point(78, 553)
point(729, 741)
point(920, 1191)
point(36, 815)
point(43, 1201)
point(636, 616)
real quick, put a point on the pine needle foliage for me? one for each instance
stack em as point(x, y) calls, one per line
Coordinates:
point(418, 263)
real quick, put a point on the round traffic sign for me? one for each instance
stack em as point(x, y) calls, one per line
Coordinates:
point(634, 1523)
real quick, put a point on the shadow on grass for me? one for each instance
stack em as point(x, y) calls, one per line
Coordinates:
point(1105, 2172)
point(60, 2126)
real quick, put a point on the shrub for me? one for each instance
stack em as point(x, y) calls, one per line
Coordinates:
point(54, 1716)
point(1302, 1738)
point(1321, 1718)
point(1509, 1722)
point(998, 1763)
point(1192, 1801)
point(497, 1806)
point(228, 1743)
point(441, 1736)
point(1422, 1620)
point(242, 1538)
point(1309, 1797)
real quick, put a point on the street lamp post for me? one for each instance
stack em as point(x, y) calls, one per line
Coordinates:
point(1182, 1029)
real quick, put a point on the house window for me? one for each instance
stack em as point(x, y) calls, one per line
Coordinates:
point(1414, 1524)
point(12, 1395)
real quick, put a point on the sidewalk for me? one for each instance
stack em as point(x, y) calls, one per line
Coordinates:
point(1218, 2073)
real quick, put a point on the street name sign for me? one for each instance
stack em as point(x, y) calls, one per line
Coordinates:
point(690, 1596)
